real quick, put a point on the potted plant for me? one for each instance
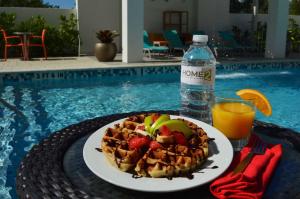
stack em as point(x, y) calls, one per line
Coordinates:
point(106, 50)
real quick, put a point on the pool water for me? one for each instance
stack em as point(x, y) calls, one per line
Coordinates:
point(49, 105)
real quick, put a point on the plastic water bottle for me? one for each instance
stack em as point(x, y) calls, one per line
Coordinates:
point(198, 69)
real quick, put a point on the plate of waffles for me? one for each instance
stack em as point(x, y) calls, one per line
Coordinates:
point(157, 153)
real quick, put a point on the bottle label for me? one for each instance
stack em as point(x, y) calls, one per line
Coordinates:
point(198, 75)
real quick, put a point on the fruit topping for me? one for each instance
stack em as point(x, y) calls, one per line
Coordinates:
point(161, 119)
point(155, 116)
point(154, 145)
point(165, 131)
point(138, 142)
point(175, 125)
point(148, 122)
point(179, 138)
point(141, 127)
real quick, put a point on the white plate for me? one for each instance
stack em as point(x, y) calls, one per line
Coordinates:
point(221, 154)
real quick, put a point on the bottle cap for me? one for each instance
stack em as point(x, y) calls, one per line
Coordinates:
point(200, 38)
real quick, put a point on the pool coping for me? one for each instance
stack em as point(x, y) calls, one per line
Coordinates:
point(90, 63)
point(137, 69)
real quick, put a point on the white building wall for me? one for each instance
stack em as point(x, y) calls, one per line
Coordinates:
point(208, 15)
point(213, 15)
point(95, 15)
point(51, 14)
point(106, 14)
point(153, 20)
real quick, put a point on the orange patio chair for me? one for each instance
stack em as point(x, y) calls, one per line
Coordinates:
point(158, 38)
point(8, 44)
point(40, 44)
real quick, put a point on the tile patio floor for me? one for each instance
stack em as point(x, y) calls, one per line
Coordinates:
point(90, 62)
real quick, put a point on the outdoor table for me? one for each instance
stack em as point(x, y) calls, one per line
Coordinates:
point(25, 41)
point(55, 167)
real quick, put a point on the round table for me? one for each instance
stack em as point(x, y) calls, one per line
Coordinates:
point(25, 41)
point(55, 168)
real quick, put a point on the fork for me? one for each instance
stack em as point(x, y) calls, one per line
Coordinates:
point(259, 147)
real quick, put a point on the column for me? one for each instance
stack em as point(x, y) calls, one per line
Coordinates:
point(132, 30)
point(77, 17)
point(277, 25)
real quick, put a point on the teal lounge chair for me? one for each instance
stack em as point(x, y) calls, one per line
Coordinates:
point(229, 39)
point(199, 32)
point(174, 40)
point(230, 43)
point(149, 47)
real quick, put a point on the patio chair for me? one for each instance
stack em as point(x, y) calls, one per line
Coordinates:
point(157, 39)
point(199, 32)
point(188, 37)
point(228, 43)
point(149, 47)
point(174, 40)
point(41, 42)
point(8, 43)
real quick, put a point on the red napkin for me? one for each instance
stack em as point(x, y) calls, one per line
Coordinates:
point(252, 182)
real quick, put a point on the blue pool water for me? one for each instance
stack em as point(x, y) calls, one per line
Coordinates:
point(50, 105)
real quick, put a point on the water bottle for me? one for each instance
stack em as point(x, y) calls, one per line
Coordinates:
point(198, 69)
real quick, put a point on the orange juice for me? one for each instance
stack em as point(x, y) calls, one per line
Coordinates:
point(234, 119)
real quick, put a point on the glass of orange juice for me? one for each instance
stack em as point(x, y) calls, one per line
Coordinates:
point(234, 118)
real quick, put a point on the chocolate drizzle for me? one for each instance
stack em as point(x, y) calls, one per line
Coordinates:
point(135, 176)
point(190, 176)
point(117, 160)
point(186, 156)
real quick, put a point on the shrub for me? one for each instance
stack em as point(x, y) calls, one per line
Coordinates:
point(34, 24)
point(61, 40)
point(7, 22)
point(293, 36)
point(68, 35)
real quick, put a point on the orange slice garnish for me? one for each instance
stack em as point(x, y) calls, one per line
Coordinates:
point(259, 100)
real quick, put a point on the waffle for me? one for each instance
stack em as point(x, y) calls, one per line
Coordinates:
point(170, 160)
point(173, 159)
point(115, 147)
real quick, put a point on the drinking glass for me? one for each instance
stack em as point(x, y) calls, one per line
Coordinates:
point(234, 118)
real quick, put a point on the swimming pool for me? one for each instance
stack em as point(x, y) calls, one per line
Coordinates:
point(51, 104)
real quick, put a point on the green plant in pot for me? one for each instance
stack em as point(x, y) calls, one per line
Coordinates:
point(106, 49)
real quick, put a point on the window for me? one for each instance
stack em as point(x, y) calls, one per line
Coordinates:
point(246, 6)
point(241, 7)
point(263, 6)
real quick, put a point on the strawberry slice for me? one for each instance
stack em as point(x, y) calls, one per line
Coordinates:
point(155, 117)
point(154, 145)
point(165, 131)
point(137, 142)
point(179, 138)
